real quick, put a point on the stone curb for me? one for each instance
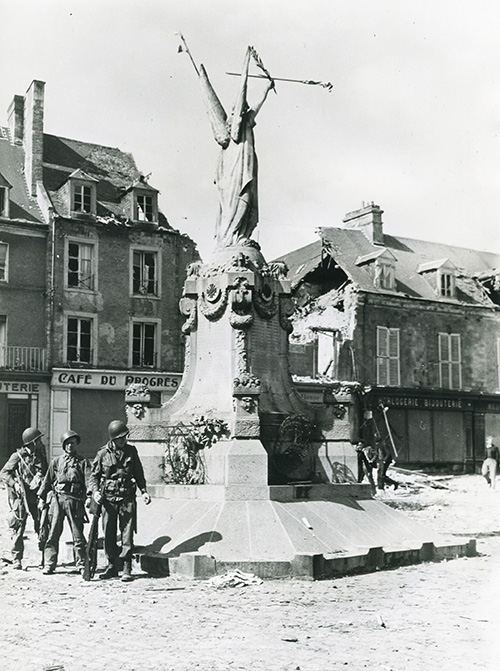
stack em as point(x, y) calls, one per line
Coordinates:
point(307, 566)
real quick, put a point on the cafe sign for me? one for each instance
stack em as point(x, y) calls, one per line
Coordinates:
point(113, 379)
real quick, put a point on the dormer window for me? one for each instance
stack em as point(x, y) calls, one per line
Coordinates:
point(82, 198)
point(384, 276)
point(140, 201)
point(381, 265)
point(82, 193)
point(441, 274)
point(144, 207)
point(446, 283)
point(4, 196)
point(4, 201)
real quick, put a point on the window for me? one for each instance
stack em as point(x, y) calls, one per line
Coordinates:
point(388, 373)
point(144, 344)
point(80, 272)
point(82, 198)
point(79, 340)
point(446, 284)
point(450, 364)
point(4, 261)
point(4, 201)
point(144, 208)
point(144, 273)
point(384, 275)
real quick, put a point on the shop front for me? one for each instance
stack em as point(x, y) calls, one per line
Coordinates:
point(87, 400)
point(24, 401)
point(429, 429)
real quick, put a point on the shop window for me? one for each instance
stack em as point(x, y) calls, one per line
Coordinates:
point(82, 198)
point(4, 262)
point(144, 345)
point(450, 361)
point(144, 273)
point(388, 369)
point(80, 271)
point(145, 207)
point(79, 340)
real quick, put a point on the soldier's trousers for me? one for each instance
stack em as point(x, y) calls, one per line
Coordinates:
point(118, 514)
point(62, 507)
point(18, 517)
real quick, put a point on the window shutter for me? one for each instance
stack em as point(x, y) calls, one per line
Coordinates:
point(382, 371)
point(455, 347)
point(382, 341)
point(444, 349)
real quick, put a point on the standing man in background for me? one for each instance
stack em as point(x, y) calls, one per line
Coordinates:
point(23, 474)
point(490, 464)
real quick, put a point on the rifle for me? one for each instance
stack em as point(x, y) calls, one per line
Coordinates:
point(43, 533)
point(91, 549)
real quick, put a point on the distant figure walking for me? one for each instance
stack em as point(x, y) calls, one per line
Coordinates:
point(490, 464)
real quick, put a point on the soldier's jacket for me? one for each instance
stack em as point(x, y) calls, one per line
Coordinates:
point(66, 476)
point(29, 467)
point(121, 470)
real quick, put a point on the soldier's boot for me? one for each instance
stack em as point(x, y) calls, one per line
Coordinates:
point(16, 564)
point(127, 571)
point(49, 570)
point(109, 572)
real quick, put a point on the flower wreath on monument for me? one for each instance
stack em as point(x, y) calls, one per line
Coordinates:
point(183, 463)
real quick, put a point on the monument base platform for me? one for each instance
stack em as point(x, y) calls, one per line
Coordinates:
point(301, 531)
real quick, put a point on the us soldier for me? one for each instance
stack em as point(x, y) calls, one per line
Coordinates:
point(116, 472)
point(63, 490)
point(23, 474)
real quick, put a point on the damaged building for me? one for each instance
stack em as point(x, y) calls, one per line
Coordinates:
point(416, 323)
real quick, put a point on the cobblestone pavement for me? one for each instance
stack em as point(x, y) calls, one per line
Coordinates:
point(435, 616)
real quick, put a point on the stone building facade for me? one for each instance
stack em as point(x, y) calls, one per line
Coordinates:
point(416, 323)
point(109, 273)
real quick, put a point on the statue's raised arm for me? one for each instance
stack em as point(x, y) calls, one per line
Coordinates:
point(236, 176)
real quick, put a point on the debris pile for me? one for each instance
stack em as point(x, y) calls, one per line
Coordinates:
point(234, 578)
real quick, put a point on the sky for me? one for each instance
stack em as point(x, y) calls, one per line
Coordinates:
point(413, 122)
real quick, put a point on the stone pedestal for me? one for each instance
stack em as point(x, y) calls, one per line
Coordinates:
point(237, 310)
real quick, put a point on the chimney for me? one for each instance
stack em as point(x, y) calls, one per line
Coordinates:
point(368, 220)
point(15, 115)
point(33, 134)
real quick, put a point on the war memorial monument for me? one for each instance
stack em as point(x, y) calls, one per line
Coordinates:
point(243, 471)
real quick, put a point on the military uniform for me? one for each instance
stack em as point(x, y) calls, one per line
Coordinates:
point(23, 474)
point(117, 472)
point(64, 491)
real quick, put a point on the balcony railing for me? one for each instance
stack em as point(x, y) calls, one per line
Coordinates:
point(32, 359)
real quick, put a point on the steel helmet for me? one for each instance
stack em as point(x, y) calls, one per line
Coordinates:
point(70, 434)
point(30, 435)
point(117, 429)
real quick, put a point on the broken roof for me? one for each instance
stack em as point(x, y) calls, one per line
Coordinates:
point(114, 170)
point(22, 206)
point(345, 246)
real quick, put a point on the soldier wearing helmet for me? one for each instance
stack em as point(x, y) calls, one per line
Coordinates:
point(23, 474)
point(63, 491)
point(117, 472)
